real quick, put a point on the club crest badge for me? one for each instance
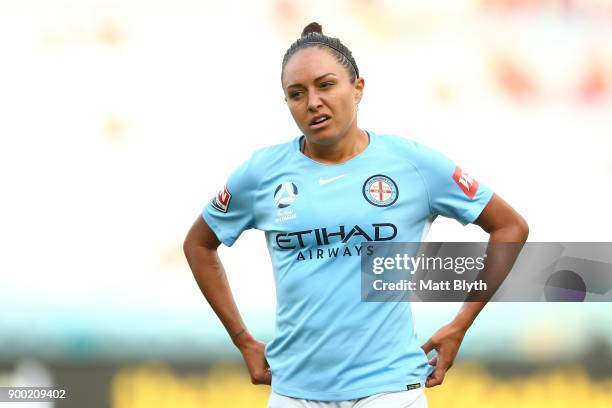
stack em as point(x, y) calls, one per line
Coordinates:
point(380, 190)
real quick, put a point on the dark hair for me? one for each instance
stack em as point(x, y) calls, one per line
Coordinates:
point(312, 36)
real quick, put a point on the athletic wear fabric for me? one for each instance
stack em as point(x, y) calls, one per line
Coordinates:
point(401, 399)
point(330, 346)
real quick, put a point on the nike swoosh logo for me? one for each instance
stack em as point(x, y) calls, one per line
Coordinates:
point(329, 180)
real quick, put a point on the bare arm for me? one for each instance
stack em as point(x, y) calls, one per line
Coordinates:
point(503, 224)
point(200, 248)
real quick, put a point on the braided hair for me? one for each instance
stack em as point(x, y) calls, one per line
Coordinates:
point(312, 36)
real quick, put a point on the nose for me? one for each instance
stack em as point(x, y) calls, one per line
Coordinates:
point(314, 101)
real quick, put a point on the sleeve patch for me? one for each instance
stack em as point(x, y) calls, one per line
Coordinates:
point(222, 200)
point(465, 182)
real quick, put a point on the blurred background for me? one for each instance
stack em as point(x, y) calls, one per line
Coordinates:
point(120, 119)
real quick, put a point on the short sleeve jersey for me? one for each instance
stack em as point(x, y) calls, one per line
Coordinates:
point(328, 344)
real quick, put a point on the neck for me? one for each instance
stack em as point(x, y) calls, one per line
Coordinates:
point(349, 146)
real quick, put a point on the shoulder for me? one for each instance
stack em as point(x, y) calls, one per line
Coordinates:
point(261, 162)
point(406, 149)
point(271, 156)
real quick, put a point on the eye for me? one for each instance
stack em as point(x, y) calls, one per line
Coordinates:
point(326, 84)
point(295, 94)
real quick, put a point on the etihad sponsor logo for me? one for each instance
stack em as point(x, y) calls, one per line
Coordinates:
point(326, 236)
point(335, 252)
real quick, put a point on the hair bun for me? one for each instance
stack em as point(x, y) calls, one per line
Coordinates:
point(312, 28)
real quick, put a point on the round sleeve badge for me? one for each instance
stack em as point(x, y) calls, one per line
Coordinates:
point(380, 190)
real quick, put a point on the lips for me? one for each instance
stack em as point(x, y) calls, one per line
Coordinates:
point(319, 121)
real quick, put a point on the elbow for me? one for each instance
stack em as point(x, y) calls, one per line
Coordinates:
point(514, 229)
point(188, 246)
point(522, 229)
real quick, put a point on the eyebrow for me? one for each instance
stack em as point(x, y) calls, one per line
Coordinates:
point(316, 79)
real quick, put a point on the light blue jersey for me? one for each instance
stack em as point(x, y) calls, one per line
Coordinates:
point(330, 346)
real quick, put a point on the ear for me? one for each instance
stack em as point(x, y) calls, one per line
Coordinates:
point(359, 85)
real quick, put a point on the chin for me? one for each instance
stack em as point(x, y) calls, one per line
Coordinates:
point(322, 137)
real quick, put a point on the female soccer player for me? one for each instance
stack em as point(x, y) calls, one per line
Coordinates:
point(317, 198)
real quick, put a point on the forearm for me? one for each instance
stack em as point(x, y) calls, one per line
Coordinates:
point(499, 262)
point(212, 280)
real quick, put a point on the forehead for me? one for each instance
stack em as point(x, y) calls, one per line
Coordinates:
point(310, 63)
